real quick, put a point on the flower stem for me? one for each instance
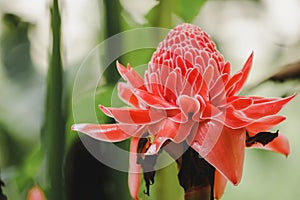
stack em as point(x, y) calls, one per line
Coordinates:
point(200, 193)
point(196, 176)
point(112, 27)
point(54, 128)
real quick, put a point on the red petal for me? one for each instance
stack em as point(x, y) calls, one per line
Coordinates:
point(220, 184)
point(189, 82)
point(189, 106)
point(279, 145)
point(155, 84)
point(241, 103)
point(168, 130)
point(107, 132)
point(211, 112)
point(227, 156)
point(133, 116)
point(131, 76)
point(237, 119)
point(171, 88)
point(267, 108)
point(164, 73)
point(206, 137)
point(200, 88)
point(154, 101)
point(229, 87)
point(179, 62)
point(134, 170)
point(265, 123)
point(127, 95)
point(218, 87)
point(208, 75)
point(245, 70)
point(226, 68)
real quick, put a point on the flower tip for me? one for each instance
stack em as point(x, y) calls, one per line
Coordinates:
point(251, 57)
point(76, 127)
point(289, 98)
point(294, 95)
point(129, 67)
point(35, 193)
point(287, 155)
point(102, 108)
point(105, 110)
point(235, 179)
point(122, 70)
point(73, 127)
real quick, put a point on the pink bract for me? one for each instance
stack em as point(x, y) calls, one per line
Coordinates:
point(189, 95)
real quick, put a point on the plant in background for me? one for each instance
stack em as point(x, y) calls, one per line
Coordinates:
point(187, 104)
point(2, 196)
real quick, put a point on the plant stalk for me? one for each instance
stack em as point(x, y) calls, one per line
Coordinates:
point(196, 176)
point(54, 128)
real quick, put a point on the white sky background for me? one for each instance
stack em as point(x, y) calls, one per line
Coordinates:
point(243, 26)
point(80, 26)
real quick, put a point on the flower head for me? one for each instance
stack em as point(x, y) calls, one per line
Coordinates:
point(189, 96)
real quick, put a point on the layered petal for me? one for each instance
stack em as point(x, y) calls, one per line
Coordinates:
point(134, 116)
point(154, 101)
point(240, 103)
point(206, 137)
point(168, 131)
point(133, 78)
point(245, 73)
point(265, 123)
point(230, 85)
point(189, 107)
point(267, 107)
point(126, 94)
point(108, 132)
point(227, 156)
point(235, 120)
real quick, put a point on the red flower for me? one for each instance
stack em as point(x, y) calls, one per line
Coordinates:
point(35, 193)
point(188, 95)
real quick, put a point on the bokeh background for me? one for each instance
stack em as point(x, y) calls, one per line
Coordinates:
point(270, 28)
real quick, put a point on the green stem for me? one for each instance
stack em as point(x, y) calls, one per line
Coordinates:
point(161, 15)
point(112, 26)
point(54, 130)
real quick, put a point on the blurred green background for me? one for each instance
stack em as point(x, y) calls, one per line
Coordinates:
point(38, 67)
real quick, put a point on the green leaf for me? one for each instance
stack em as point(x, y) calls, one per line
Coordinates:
point(161, 15)
point(54, 128)
point(187, 9)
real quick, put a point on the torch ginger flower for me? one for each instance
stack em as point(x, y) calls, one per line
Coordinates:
point(189, 96)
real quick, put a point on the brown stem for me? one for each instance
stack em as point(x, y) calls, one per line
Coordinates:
point(196, 176)
point(198, 193)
